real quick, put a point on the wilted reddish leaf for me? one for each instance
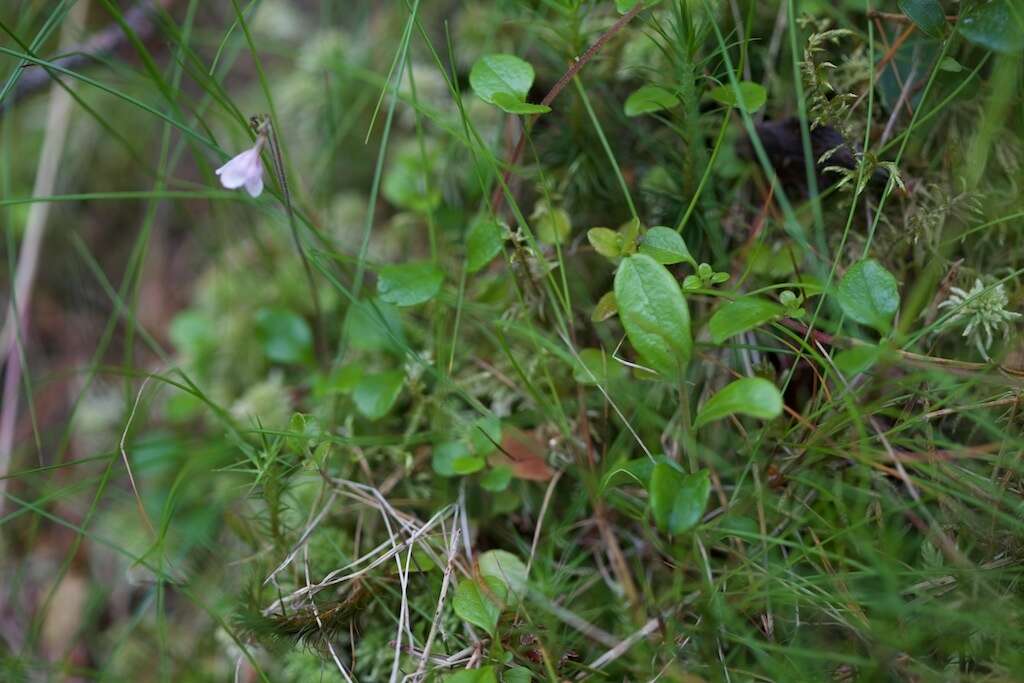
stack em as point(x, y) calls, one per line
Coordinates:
point(524, 455)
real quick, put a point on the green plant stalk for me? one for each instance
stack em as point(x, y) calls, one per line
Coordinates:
point(805, 133)
point(686, 74)
point(607, 148)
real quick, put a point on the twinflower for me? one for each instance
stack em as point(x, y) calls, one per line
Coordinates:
point(245, 169)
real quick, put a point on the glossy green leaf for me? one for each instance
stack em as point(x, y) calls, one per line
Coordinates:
point(483, 242)
point(666, 246)
point(409, 284)
point(496, 479)
point(376, 393)
point(286, 337)
point(857, 360)
point(485, 674)
point(629, 233)
point(455, 458)
point(342, 380)
point(480, 603)
point(927, 15)
point(869, 295)
point(505, 567)
point(741, 315)
point(994, 24)
point(753, 396)
point(605, 241)
point(513, 105)
point(636, 472)
point(951, 65)
point(504, 80)
point(654, 314)
point(553, 226)
point(497, 73)
point(606, 307)
point(754, 95)
point(594, 366)
point(678, 500)
point(407, 183)
point(470, 465)
point(648, 99)
point(484, 435)
point(517, 674)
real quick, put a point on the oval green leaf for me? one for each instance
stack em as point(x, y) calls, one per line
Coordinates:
point(753, 396)
point(994, 24)
point(409, 284)
point(553, 226)
point(286, 337)
point(496, 73)
point(484, 435)
point(505, 567)
point(605, 241)
point(857, 360)
point(654, 314)
point(741, 315)
point(636, 471)
point(754, 96)
point(869, 295)
point(483, 242)
point(518, 674)
point(649, 99)
point(678, 500)
point(480, 603)
point(607, 307)
point(504, 80)
point(927, 15)
point(594, 366)
point(513, 105)
point(455, 458)
point(375, 394)
point(496, 479)
point(484, 674)
point(666, 246)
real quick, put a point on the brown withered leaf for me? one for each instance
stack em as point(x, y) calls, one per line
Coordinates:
point(523, 453)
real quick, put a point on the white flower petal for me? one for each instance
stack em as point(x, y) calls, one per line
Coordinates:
point(254, 186)
point(244, 169)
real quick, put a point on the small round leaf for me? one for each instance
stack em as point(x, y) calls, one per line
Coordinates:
point(648, 99)
point(286, 337)
point(665, 246)
point(376, 393)
point(753, 96)
point(409, 284)
point(869, 295)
